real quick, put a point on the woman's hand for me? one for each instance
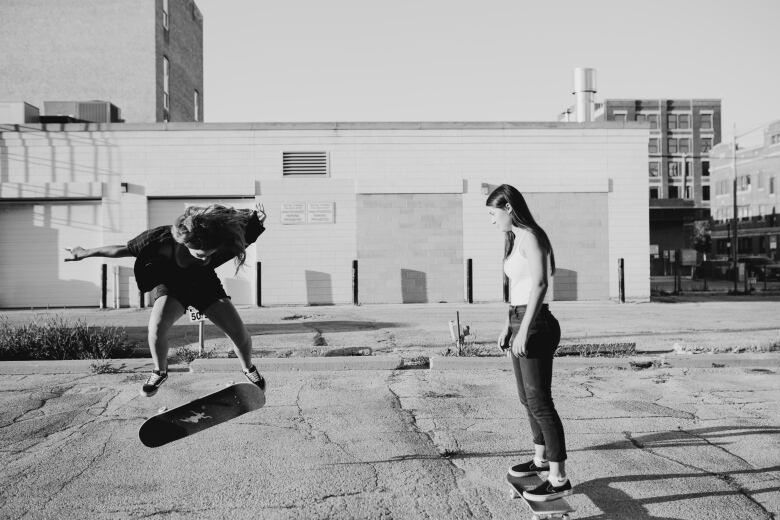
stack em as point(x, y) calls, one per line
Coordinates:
point(261, 216)
point(76, 253)
point(503, 339)
point(519, 344)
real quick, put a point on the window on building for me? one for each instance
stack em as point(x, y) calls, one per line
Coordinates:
point(654, 193)
point(683, 121)
point(771, 185)
point(165, 14)
point(706, 122)
point(705, 193)
point(619, 115)
point(654, 168)
point(674, 169)
point(705, 168)
point(688, 193)
point(652, 146)
point(196, 103)
point(653, 120)
point(674, 192)
point(671, 145)
point(684, 145)
point(706, 144)
point(671, 121)
point(166, 83)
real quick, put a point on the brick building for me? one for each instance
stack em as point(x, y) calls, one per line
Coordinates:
point(682, 133)
point(406, 200)
point(143, 56)
point(758, 183)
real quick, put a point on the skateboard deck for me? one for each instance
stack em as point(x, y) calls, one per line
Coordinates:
point(558, 508)
point(200, 414)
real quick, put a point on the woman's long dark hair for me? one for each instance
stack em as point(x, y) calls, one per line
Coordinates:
point(213, 227)
point(521, 217)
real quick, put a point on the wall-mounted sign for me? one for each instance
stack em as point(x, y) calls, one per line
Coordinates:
point(293, 213)
point(297, 213)
point(319, 213)
point(772, 243)
point(654, 250)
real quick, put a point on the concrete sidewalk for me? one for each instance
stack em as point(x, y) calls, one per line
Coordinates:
point(663, 443)
point(415, 330)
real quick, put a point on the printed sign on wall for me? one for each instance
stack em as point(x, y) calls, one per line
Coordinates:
point(293, 213)
point(297, 213)
point(319, 213)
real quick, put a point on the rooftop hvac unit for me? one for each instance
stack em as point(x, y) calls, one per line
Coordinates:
point(90, 111)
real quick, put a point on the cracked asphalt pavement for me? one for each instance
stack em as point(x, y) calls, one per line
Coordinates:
point(663, 443)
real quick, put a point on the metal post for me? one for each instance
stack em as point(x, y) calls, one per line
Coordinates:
point(103, 286)
point(469, 282)
point(200, 337)
point(355, 300)
point(259, 284)
point(621, 281)
point(678, 271)
point(734, 244)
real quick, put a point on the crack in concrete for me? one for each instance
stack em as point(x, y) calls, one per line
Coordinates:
point(329, 440)
point(72, 479)
point(725, 477)
point(410, 419)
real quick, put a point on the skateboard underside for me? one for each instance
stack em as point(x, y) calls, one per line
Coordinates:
point(201, 414)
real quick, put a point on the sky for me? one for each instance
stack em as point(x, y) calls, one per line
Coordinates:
point(484, 60)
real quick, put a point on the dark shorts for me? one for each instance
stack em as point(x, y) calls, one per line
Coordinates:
point(199, 295)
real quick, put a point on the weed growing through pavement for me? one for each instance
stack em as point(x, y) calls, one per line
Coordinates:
point(103, 367)
point(188, 355)
point(55, 337)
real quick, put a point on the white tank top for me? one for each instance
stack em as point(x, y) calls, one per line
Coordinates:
point(519, 273)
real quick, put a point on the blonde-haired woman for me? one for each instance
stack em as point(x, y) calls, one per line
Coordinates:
point(177, 263)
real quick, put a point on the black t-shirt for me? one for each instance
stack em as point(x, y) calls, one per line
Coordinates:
point(152, 267)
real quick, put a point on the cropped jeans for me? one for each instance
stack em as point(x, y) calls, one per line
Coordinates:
point(533, 375)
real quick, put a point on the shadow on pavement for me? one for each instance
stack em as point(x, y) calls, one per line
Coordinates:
point(617, 504)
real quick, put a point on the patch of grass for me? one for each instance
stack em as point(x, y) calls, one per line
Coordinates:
point(55, 337)
point(597, 349)
point(103, 367)
point(188, 355)
point(687, 348)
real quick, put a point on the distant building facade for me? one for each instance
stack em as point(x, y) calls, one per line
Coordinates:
point(143, 56)
point(758, 183)
point(682, 133)
point(404, 200)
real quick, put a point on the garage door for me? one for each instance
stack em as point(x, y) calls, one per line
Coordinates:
point(32, 238)
point(241, 288)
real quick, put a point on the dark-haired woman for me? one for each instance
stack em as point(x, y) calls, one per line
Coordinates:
point(531, 334)
point(177, 263)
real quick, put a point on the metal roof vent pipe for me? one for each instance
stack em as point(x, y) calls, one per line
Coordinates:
point(584, 93)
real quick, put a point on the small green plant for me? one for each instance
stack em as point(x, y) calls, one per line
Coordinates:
point(54, 337)
point(188, 355)
point(103, 367)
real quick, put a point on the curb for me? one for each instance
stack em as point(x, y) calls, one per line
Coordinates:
point(302, 364)
point(682, 360)
point(79, 366)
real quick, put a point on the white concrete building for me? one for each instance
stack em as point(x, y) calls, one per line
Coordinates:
point(406, 200)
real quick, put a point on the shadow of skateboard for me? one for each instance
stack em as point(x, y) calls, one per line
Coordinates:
point(558, 508)
point(200, 414)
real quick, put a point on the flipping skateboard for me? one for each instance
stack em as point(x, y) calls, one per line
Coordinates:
point(200, 414)
point(558, 508)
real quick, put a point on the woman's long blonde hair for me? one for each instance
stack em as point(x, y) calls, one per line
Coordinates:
point(213, 227)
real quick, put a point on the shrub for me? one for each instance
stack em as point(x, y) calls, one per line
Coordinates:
point(54, 337)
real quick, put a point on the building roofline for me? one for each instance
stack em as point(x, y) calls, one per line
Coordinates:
point(334, 126)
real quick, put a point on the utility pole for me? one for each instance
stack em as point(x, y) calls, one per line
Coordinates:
point(734, 245)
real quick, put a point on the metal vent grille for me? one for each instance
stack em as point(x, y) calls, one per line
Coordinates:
point(304, 163)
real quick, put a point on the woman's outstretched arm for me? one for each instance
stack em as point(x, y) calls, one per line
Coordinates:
point(79, 253)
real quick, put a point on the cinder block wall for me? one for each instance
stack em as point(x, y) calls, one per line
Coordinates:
point(410, 247)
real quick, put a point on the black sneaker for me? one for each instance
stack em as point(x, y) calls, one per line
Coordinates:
point(526, 469)
point(254, 377)
point(546, 491)
point(153, 383)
